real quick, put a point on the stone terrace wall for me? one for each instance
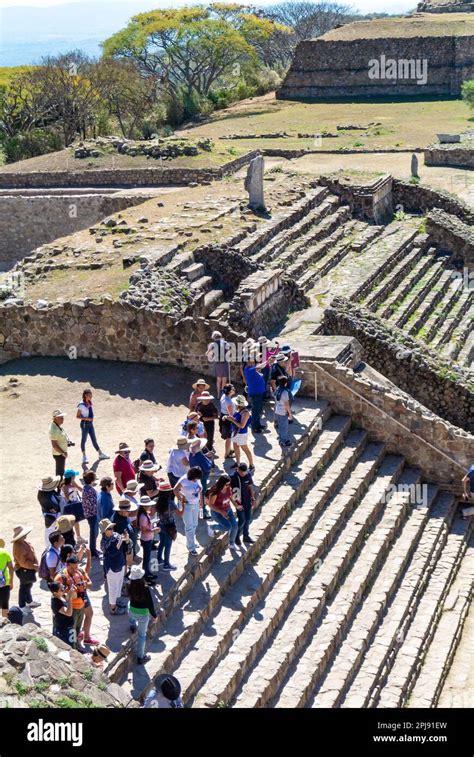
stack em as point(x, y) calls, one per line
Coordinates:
point(418, 199)
point(26, 222)
point(371, 202)
point(422, 437)
point(126, 177)
point(445, 391)
point(339, 68)
point(451, 234)
point(449, 155)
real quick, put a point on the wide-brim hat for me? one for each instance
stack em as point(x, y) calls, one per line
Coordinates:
point(49, 483)
point(286, 349)
point(240, 401)
point(205, 396)
point(146, 501)
point(21, 531)
point(132, 486)
point(2, 543)
point(123, 447)
point(101, 650)
point(105, 524)
point(145, 467)
point(181, 442)
point(136, 573)
point(281, 357)
point(197, 442)
point(200, 383)
point(165, 486)
point(169, 686)
point(64, 523)
point(129, 507)
point(59, 413)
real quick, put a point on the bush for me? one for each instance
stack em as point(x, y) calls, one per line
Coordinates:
point(467, 91)
point(31, 144)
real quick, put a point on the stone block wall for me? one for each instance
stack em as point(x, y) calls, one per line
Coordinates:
point(26, 222)
point(446, 391)
point(415, 198)
point(339, 68)
point(449, 155)
point(443, 451)
point(451, 234)
point(371, 202)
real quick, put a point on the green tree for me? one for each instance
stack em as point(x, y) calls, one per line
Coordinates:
point(467, 91)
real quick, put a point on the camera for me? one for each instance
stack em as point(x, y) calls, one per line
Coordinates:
point(71, 444)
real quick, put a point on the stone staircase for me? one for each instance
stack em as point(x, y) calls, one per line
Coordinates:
point(324, 609)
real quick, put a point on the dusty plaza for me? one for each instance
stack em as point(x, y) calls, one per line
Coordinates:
point(237, 367)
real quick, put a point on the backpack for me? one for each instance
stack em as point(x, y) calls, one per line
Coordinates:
point(3, 579)
point(43, 570)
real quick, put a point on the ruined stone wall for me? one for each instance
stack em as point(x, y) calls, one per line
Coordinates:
point(451, 234)
point(443, 451)
point(339, 68)
point(449, 155)
point(26, 222)
point(418, 199)
point(441, 387)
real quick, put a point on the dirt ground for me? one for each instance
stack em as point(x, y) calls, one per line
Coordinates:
point(131, 403)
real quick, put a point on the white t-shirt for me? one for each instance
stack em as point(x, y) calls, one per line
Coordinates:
point(279, 406)
point(52, 558)
point(83, 409)
point(227, 406)
point(156, 700)
point(191, 490)
point(175, 462)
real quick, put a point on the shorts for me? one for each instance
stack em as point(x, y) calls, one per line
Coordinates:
point(87, 602)
point(74, 508)
point(225, 428)
point(4, 597)
point(241, 439)
point(221, 370)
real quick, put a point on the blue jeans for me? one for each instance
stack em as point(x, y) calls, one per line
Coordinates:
point(191, 521)
point(93, 533)
point(140, 622)
point(281, 425)
point(225, 524)
point(256, 401)
point(87, 429)
point(146, 546)
point(244, 517)
point(165, 547)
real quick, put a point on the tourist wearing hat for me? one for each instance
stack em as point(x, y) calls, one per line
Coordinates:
point(227, 407)
point(99, 656)
point(178, 461)
point(26, 565)
point(198, 387)
point(188, 491)
point(52, 556)
point(283, 415)
point(209, 414)
point(105, 503)
point(132, 493)
point(197, 457)
point(241, 421)
point(147, 532)
point(193, 427)
point(89, 505)
point(279, 370)
point(6, 578)
point(168, 531)
point(59, 441)
point(50, 501)
point(220, 500)
point(65, 525)
point(123, 467)
point(71, 502)
point(124, 512)
point(147, 479)
point(141, 609)
point(218, 355)
point(256, 390)
point(62, 609)
point(166, 694)
point(74, 577)
point(85, 412)
point(112, 544)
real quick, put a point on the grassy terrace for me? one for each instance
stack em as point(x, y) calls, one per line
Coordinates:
point(421, 25)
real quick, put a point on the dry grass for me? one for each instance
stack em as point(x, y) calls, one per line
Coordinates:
point(421, 25)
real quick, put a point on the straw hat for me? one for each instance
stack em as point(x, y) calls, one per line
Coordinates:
point(123, 447)
point(49, 483)
point(196, 445)
point(165, 486)
point(125, 505)
point(240, 401)
point(205, 396)
point(2, 543)
point(182, 443)
point(136, 572)
point(64, 523)
point(146, 501)
point(59, 414)
point(105, 524)
point(19, 532)
point(132, 486)
point(148, 466)
point(201, 384)
point(101, 650)
point(281, 357)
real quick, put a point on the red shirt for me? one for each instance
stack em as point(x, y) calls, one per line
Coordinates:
point(125, 467)
point(222, 501)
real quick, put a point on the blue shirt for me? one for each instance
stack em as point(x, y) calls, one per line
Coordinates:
point(105, 505)
point(114, 558)
point(470, 475)
point(255, 381)
point(201, 461)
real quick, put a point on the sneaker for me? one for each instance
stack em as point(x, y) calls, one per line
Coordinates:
point(210, 531)
point(169, 567)
point(193, 552)
point(287, 444)
point(232, 545)
point(85, 460)
point(248, 540)
point(32, 605)
point(143, 660)
point(237, 541)
point(103, 456)
point(91, 642)
point(80, 636)
point(251, 468)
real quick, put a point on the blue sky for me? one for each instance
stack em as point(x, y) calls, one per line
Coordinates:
point(366, 6)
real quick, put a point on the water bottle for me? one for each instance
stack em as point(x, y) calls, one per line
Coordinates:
point(201, 513)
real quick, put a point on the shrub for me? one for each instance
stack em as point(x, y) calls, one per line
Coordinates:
point(467, 91)
point(31, 144)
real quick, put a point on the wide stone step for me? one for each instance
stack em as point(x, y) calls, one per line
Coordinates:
point(180, 629)
point(202, 284)
point(194, 271)
point(391, 632)
point(323, 638)
point(459, 336)
point(322, 225)
point(254, 585)
point(337, 251)
point(441, 651)
point(385, 309)
point(466, 354)
point(212, 299)
point(403, 569)
point(417, 294)
point(420, 316)
point(445, 330)
point(331, 231)
point(410, 654)
point(442, 312)
point(399, 272)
